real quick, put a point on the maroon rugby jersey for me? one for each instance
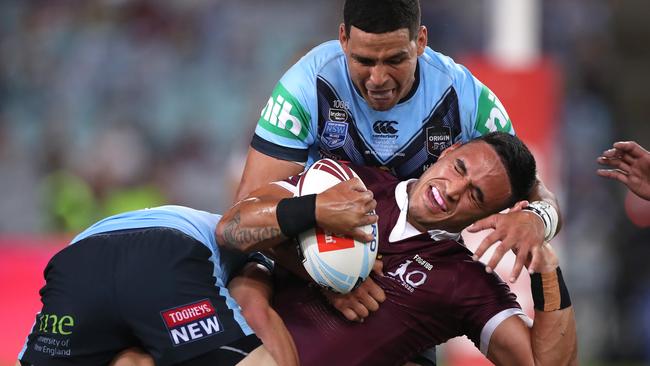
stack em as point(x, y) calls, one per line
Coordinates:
point(434, 292)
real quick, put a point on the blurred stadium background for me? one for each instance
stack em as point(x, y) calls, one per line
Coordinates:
point(110, 105)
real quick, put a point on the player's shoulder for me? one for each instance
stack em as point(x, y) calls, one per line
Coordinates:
point(322, 55)
point(435, 61)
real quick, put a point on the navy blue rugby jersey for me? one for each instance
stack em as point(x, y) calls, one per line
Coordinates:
point(315, 111)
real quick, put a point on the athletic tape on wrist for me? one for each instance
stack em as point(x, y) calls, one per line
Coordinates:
point(296, 214)
point(549, 291)
point(549, 216)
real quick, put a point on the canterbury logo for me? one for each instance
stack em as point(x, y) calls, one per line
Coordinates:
point(385, 127)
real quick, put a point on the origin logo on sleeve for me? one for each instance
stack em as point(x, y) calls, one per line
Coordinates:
point(191, 322)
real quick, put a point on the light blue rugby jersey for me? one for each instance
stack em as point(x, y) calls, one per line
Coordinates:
point(315, 111)
point(197, 224)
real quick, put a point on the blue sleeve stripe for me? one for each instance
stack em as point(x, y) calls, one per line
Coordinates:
point(277, 151)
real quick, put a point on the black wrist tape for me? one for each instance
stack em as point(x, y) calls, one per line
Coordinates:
point(296, 214)
point(549, 291)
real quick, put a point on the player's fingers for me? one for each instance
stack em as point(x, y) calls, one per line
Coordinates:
point(627, 157)
point(614, 158)
point(486, 243)
point(361, 198)
point(350, 315)
point(622, 167)
point(361, 310)
point(497, 255)
point(613, 174)
point(371, 219)
point(356, 185)
point(612, 153)
point(377, 293)
point(489, 222)
point(366, 219)
point(369, 303)
point(617, 163)
point(370, 288)
point(519, 206)
point(370, 205)
point(359, 235)
point(378, 268)
point(535, 261)
point(519, 265)
point(631, 147)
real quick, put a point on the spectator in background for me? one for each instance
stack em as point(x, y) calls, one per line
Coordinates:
point(629, 163)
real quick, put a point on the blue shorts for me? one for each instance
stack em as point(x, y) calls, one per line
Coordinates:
point(150, 288)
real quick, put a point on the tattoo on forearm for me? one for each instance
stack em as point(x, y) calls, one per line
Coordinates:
point(237, 237)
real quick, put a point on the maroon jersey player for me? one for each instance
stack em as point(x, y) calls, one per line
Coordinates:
point(434, 290)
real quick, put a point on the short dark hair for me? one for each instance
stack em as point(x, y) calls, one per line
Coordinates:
point(518, 161)
point(382, 16)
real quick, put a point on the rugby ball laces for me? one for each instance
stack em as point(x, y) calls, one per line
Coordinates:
point(335, 262)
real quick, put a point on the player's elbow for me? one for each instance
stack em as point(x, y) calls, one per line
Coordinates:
point(226, 235)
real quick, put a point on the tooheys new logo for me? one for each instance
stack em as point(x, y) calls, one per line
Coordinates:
point(284, 116)
point(191, 322)
point(492, 115)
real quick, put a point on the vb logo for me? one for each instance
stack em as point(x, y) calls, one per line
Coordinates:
point(52, 323)
point(385, 127)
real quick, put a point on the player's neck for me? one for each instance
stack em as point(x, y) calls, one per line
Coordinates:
point(409, 218)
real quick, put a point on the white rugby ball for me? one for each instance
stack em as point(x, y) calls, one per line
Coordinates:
point(333, 261)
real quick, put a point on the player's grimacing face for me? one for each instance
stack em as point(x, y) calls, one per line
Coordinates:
point(382, 66)
point(467, 183)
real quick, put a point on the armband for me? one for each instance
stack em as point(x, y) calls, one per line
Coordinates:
point(549, 291)
point(296, 214)
point(549, 216)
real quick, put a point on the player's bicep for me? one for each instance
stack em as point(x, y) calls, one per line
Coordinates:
point(261, 169)
point(510, 343)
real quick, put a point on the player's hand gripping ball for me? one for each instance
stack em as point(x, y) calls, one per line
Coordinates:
point(335, 262)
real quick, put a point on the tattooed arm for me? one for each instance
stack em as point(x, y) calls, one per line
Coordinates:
point(251, 224)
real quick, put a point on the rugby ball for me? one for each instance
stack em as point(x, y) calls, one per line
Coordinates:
point(335, 262)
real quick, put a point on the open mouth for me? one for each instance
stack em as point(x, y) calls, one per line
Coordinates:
point(436, 199)
point(381, 94)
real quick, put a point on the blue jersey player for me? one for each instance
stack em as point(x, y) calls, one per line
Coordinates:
point(379, 96)
point(154, 279)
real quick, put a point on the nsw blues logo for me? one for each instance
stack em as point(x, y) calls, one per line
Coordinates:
point(334, 134)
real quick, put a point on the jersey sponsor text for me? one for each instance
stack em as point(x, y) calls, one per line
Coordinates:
point(284, 116)
point(491, 114)
point(191, 322)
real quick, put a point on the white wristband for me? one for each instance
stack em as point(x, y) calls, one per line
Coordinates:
point(549, 216)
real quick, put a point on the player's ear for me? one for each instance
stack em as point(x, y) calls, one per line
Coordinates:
point(343, 38)
point(422, 39)
point(450, 149)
